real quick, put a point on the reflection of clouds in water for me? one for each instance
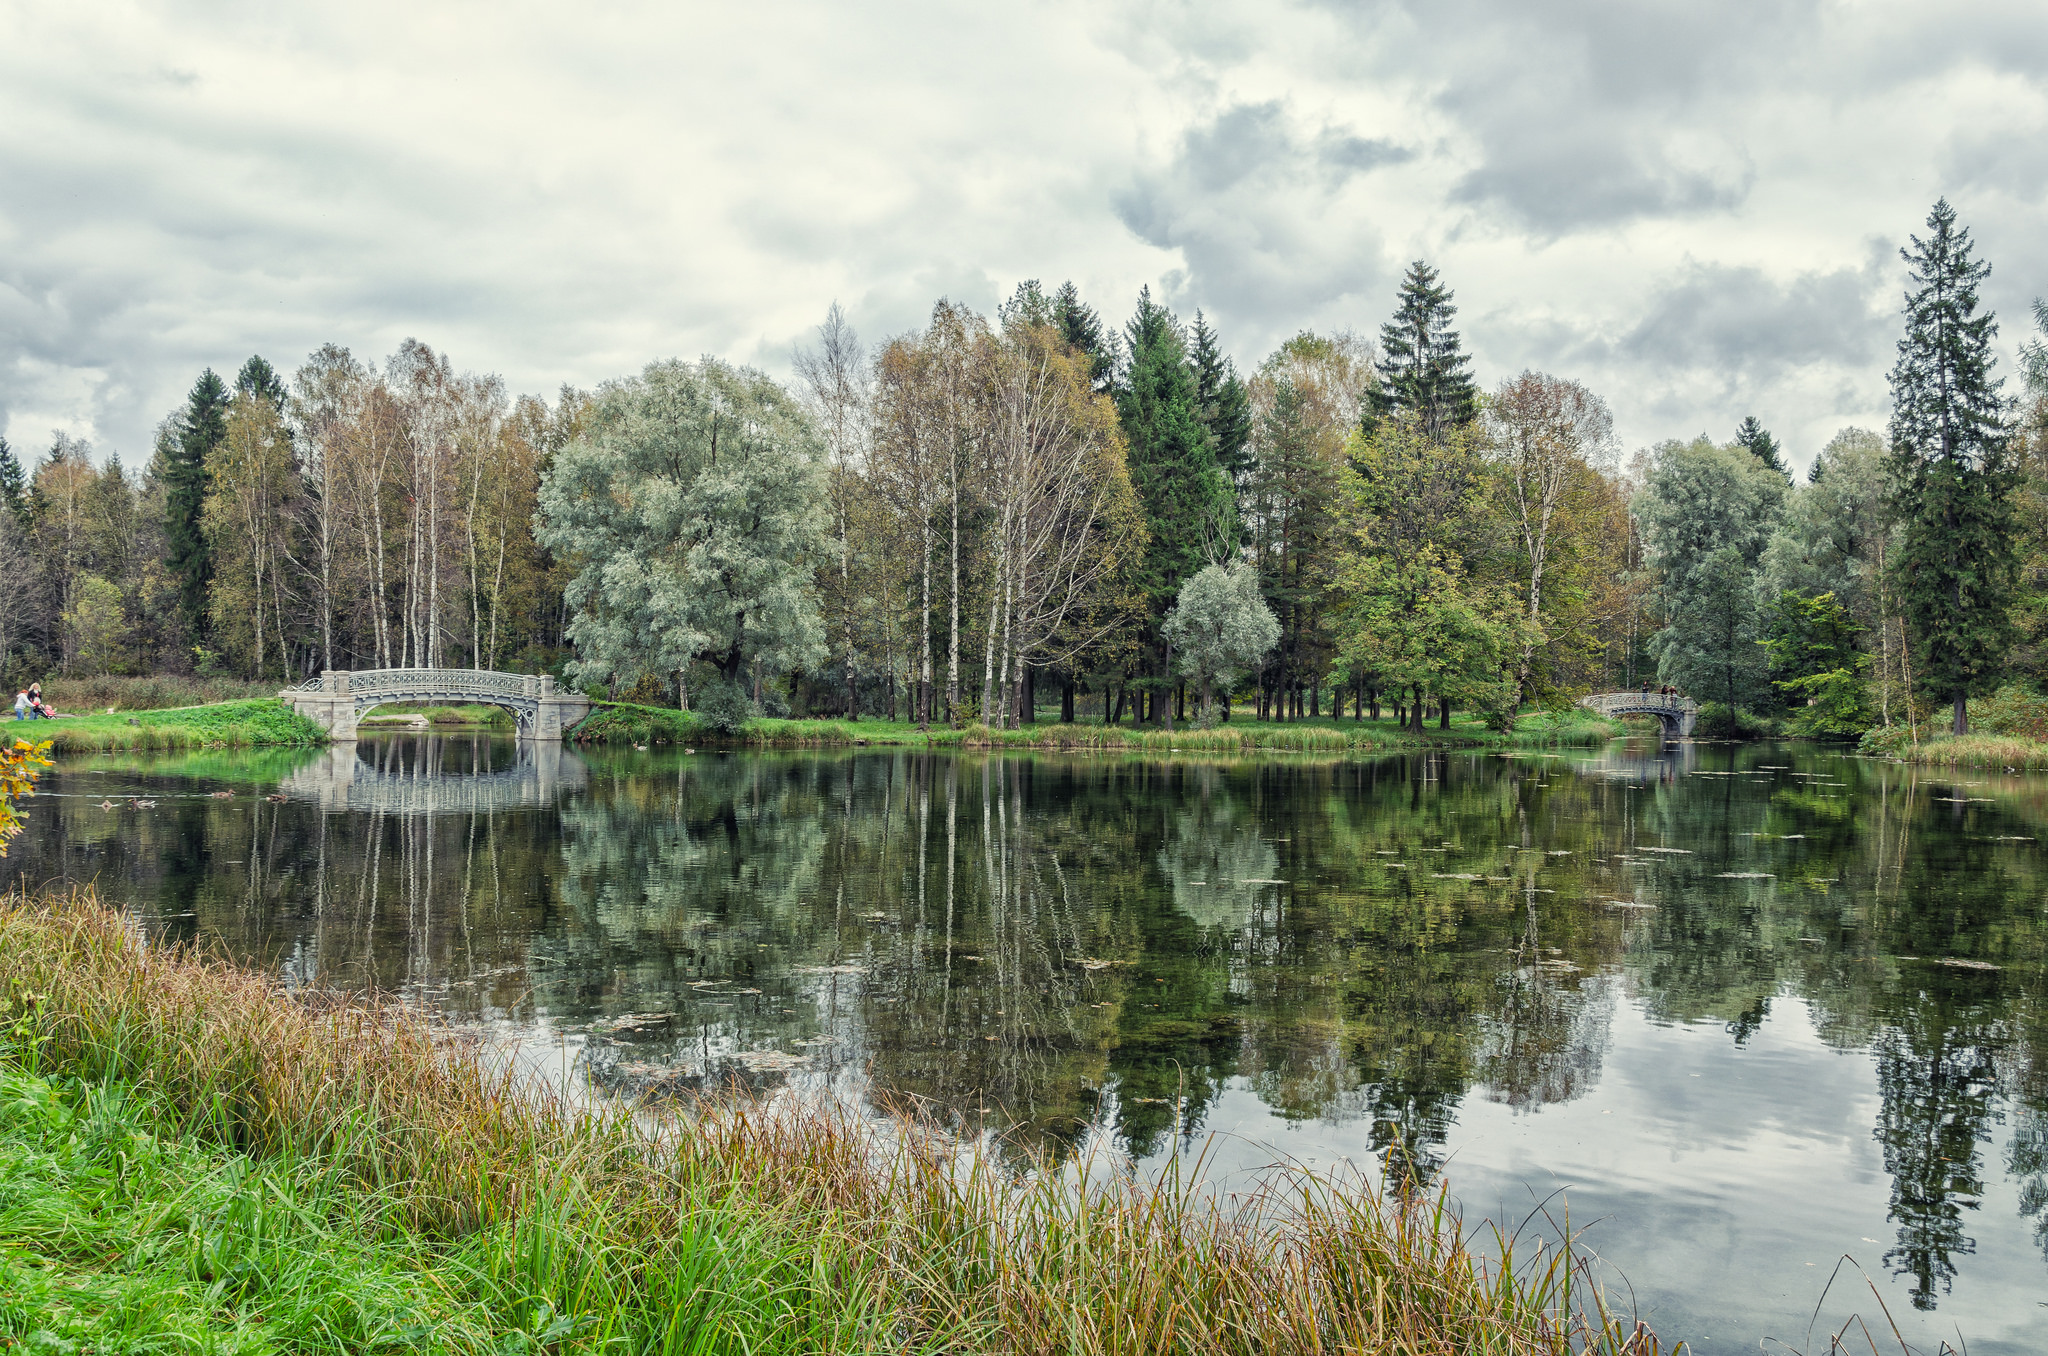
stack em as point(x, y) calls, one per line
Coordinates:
point(1217, 863)
point(1546, 1038)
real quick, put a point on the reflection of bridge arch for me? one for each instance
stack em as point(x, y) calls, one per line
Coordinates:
point(338, 698)
point(1675, 714)
point(340, 780)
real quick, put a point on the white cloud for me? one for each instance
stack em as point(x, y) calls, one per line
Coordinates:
point(1676, 203)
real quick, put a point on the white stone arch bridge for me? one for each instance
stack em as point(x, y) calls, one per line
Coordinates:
point(338, 698)
point(1676, 714)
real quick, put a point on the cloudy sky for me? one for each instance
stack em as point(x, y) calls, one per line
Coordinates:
point(1694, 208)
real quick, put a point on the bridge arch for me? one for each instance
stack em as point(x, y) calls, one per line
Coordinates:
point(1676, 715)
point(339, 698)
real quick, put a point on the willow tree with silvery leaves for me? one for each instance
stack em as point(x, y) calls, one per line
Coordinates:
point(1220, 629)
point(693, 502)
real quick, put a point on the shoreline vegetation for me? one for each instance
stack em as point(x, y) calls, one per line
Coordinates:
point(621, 722)
point(231, 1164)
point(253, 723)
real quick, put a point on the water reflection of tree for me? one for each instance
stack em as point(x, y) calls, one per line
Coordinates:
point(1298, 930)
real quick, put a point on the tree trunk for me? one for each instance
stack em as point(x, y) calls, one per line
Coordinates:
point(1067, 702)
point(1444, 715)
point(1962, 716)
point(1166, 699)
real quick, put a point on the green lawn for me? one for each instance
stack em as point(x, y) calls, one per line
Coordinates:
point(239, 724)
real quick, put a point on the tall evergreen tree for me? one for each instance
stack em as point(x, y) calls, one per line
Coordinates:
point(258, 377)
point(1083, 330)
point(1955, 568)
point(1188, 505)
point(13, 485)
point(1422, 370)
point(1761, 445)
point(202, 427)
point(1225, 404)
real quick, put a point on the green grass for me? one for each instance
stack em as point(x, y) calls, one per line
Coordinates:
point(155, 692)
point(191, 1160)
point(1976, 750)
point(440, 717)
point(623, 723)
point(239, 724)
point(118, 1236)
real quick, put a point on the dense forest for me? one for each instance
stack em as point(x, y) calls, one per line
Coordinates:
point(991, 513)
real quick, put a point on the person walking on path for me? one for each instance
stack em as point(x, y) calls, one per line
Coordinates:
point(21, 706)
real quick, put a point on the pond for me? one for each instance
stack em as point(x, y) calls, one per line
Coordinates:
point(1741, 1010)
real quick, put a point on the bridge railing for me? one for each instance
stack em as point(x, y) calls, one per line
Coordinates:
point(1609, 703)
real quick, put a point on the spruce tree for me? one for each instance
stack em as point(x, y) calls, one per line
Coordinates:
point(1761, 445)
point(13, 485)
point(258, 377)
point(1082, 329)
point(202, 427)
point(1952, 479)
point(1422, 370)
point(1188, 505)
point(1225, 405)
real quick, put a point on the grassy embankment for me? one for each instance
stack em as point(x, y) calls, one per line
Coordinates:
point(623, 723)
point(231, 724)
point(470, 717)
point(192, 1160)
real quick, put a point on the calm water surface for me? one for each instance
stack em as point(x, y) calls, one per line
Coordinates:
point(1749, 1009)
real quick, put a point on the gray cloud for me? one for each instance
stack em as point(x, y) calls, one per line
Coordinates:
point(1675, 203)
point(1256, 205)
point(1740, 322)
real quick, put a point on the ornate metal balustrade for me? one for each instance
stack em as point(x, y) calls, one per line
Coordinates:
point(1676, 714)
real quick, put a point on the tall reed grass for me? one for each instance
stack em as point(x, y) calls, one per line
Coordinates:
point(742, 1228)
point(1977, 750)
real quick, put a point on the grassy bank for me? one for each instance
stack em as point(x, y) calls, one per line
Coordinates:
point(238, 724)
point(1976, 750)
point(471, 717)
point(155, 692)
point(329, 1177)
point(623, 723)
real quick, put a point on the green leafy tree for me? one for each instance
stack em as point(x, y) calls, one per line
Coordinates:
point(1219, 628)
point(1422, 368)
point(1816, 661)
point(95, 627)
point(1707, 513)
point(202, 428)
point(1419, 621)
point(1955, 568)
point(693, 504)
point(1758, 442)
point(1190, 512)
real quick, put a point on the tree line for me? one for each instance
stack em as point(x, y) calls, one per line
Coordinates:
point(967, 518)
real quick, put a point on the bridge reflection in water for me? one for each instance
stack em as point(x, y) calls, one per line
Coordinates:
point(379, 778)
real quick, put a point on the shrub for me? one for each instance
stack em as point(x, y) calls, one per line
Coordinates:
point(2011, 711)
point(1885, 741)
point(723, 708)
point(1718, 720)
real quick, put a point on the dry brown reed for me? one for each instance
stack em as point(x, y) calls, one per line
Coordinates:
point(804, 1228)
